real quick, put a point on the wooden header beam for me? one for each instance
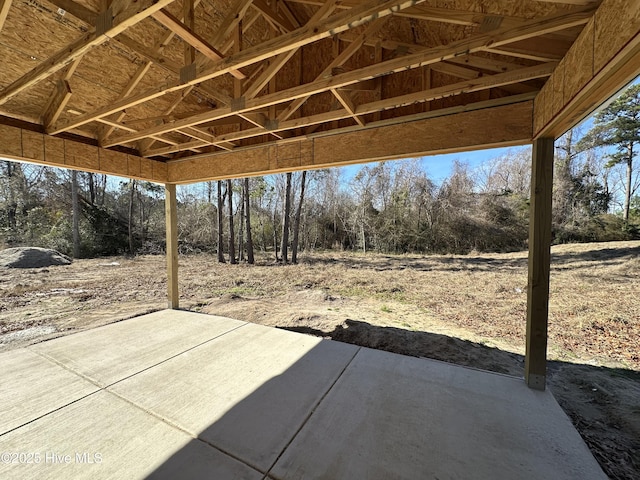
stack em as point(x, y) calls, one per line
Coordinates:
point(24, 145)
point(603, 59)
point(456, 132)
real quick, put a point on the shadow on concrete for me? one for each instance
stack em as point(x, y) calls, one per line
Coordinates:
point(607, 395)
point(603, 403)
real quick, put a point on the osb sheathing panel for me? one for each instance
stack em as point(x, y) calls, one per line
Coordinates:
point(29, 105)
point(615, 22)
point(588, 59)
point(579, 61)
point(81, 156)
point(25, 145)
point(33, 32)
point(33, 145)
point(557, 89)
point(458, 132)
point(114, 161)
point(11, 140)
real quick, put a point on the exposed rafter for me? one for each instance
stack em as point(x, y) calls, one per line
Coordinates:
point(474, 85)
point(430, 56)
point(192, 38)
point(5, 5)
point(311, 32)
point(116, 19)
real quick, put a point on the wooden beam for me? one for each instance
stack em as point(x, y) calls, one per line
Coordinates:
point(189, 19)
point(273, 16)
point(5, 5)
point(192, 38)
point(340, 60)
point(603, 59)
point(535, 364)
point(571, 2)
point(310, 33)
point(61, 98)
point(347, 103)
point(171, 215)
point(23, 145)
point(455, 132)
point(276, 64)
point(112, 22)
point(236, 15)
point(469, 86)
point(460, 17)
point(472, 85)
point(151, 54)
point(53, 100)
point(337, 81)
point(133, 83)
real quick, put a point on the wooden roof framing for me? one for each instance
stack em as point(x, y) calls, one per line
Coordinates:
point(183, 81)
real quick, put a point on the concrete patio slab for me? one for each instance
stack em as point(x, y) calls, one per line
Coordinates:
point(31, 386)
point(182, 395)
point(391, 416)
point(103, 436)
point(115, 351)
point(247, 392)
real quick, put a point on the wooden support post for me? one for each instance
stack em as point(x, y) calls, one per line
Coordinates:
point(535, 365)
point(172, 244)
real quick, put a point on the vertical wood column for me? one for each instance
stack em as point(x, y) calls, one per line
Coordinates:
point(539, 263)
point(171, 214)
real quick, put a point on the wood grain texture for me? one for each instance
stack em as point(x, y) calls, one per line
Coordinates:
point(33, 147)
point(451, 133)
point(539, 263)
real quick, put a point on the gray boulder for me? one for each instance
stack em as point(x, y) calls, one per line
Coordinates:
point(32, 257)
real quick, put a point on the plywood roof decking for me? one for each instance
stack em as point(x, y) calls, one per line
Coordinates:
point(296, 67)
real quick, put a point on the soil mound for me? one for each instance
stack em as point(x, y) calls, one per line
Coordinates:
point(32, 257)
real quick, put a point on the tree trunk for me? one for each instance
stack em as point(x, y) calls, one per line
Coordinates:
point(92, 189)
point(220, 223)
point(232, 247)
point(102, 188)
point(627, 193)
point(241, 227)
point(143, 219)
point(296, 220)
point(275, 233)
point(247, 209)
point(132, 194)
point(12, 207)
point(75, 212)
point(285, 221)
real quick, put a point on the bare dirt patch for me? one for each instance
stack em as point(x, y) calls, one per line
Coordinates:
point(468, 310)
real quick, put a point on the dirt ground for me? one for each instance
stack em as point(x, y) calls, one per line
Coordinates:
point(469, 310)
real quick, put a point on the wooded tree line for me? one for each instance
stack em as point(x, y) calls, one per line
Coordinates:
point(386, 207)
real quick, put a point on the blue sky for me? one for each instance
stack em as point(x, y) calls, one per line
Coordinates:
point(438, 167)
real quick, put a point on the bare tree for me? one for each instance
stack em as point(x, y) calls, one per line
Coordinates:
point(132, 195)
point(232, 247)
point(241, 226)
point(220, 224)
point(296, 220)
point(75, 213)
point(247, 208)
point(285, 220)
